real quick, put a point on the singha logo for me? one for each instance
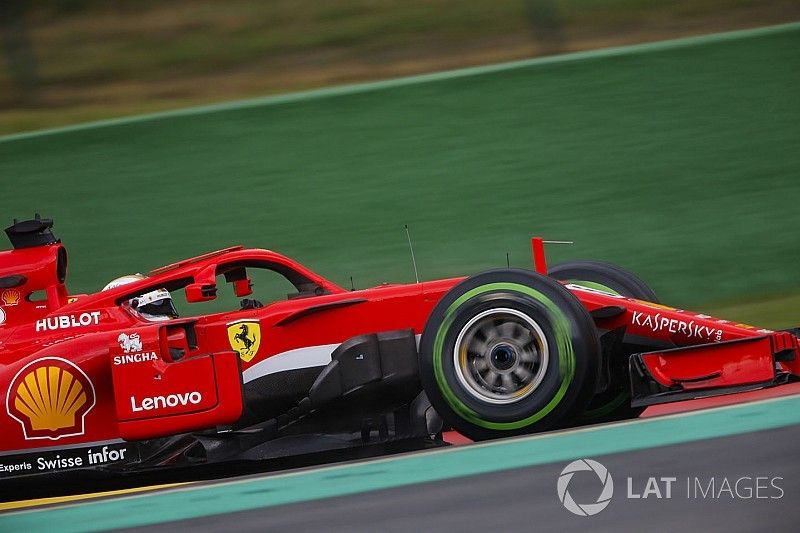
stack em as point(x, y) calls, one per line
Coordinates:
point(129, 343)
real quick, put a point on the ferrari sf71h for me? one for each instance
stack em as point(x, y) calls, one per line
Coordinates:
point(100, 382)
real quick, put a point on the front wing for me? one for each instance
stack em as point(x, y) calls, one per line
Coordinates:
point(713, 369)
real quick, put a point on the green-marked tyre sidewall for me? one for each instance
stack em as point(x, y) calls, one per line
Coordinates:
point(607, 277)
point(603, 276)
point(606, 406)
point(564, 383)
point(593, 285)
point(601, 408)
point(560, 334)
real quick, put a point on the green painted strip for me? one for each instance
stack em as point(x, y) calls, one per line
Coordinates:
point(356, 88)
point(386, 473)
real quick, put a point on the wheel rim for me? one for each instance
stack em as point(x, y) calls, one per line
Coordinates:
point(501, 356)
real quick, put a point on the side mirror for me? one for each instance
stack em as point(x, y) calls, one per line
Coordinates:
point(243, 287)
point(200, 292)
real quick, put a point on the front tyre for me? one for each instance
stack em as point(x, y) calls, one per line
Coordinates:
point(508, 352)
point(604, 276)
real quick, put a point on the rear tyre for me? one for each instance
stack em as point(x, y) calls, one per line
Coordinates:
point(508, 352)
point(614, 403)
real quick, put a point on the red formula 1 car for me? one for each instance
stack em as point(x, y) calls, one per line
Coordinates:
point(91, 382)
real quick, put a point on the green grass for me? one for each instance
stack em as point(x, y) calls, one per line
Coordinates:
point(92, 59)
point(777, 311)
point(680, 164)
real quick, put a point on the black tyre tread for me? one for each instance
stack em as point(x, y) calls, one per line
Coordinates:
point(627, 284)
point(630, 282)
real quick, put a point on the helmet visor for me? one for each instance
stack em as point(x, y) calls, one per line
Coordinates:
point(159, 308)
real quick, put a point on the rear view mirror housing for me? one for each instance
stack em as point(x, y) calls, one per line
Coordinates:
point(243, 287)
point(200, 292)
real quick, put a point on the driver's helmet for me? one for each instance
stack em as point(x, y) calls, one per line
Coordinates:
point(155, 305)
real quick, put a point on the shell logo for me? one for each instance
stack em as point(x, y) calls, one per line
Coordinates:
point(10, 297)
point(50, 397)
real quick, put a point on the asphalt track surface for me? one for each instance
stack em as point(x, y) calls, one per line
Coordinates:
point(525, 499)
point(502, 484)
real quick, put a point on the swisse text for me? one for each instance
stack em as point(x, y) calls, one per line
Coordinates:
point(164, 402)
point(68, 459)
point(135, 358)
point(68, 321)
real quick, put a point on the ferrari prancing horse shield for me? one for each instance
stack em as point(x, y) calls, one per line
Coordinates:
point(245, 338)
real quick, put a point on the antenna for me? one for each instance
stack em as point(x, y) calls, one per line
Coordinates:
point(413, 260)
point(508, 261)
point(352, 285)
point(539, 261)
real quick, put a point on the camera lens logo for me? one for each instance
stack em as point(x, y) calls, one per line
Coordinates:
point(585, 509)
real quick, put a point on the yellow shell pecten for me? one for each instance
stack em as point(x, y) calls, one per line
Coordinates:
point(50, 397)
